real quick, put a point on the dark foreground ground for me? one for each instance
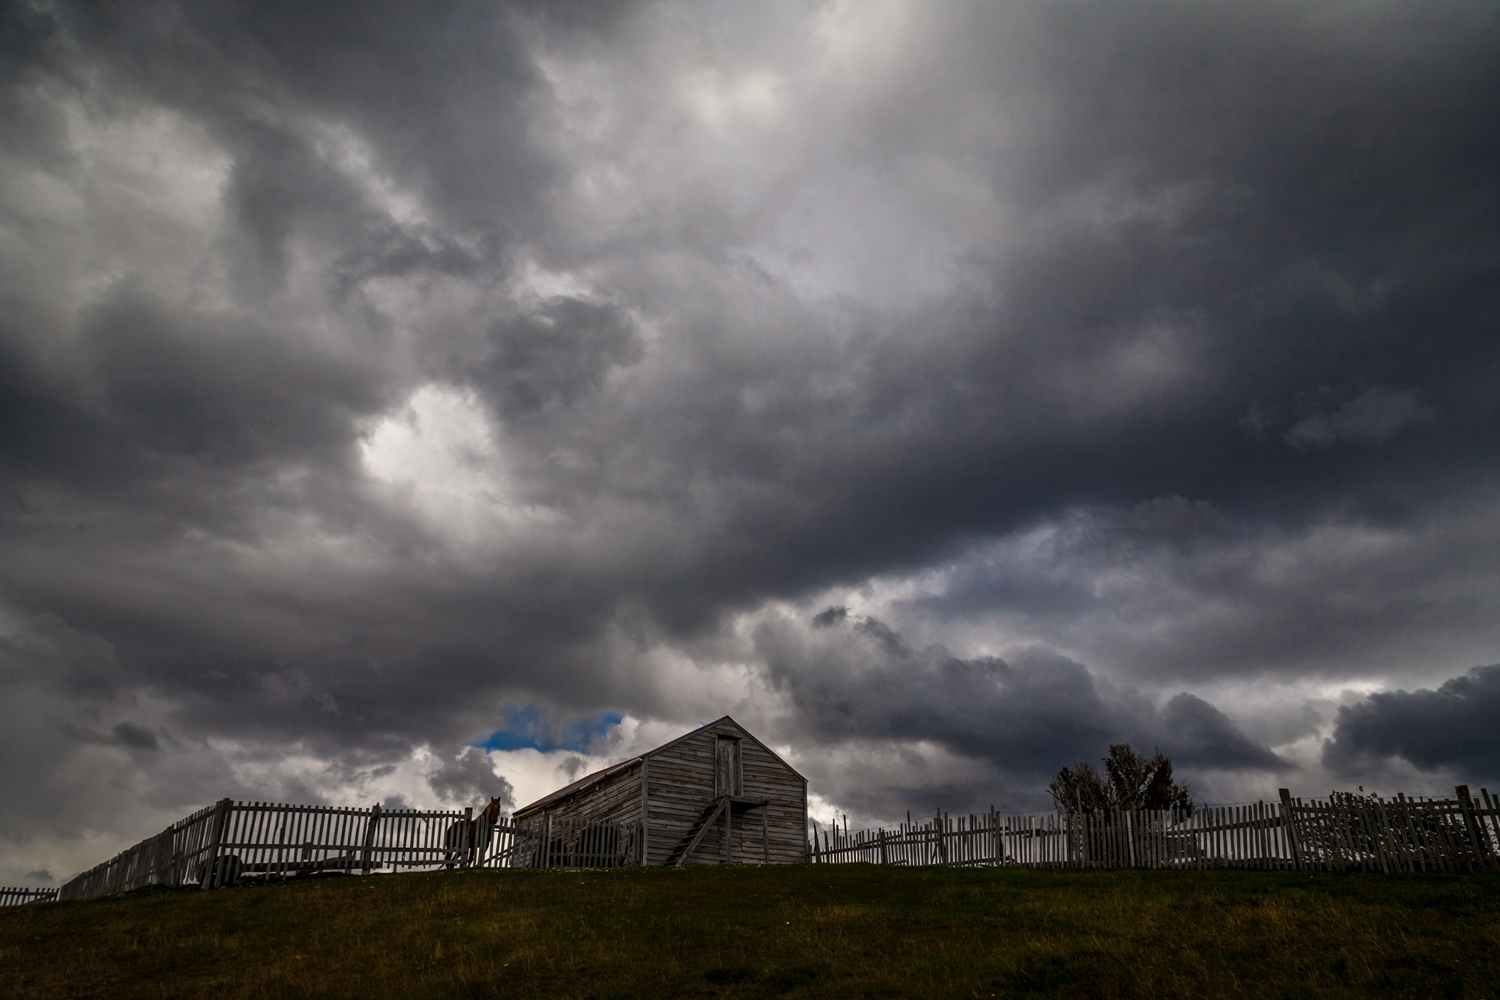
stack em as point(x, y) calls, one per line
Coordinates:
point(827, 931)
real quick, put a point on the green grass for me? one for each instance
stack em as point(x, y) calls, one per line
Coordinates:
point(827, 931)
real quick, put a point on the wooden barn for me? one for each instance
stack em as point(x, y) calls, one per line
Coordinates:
point(714, 796)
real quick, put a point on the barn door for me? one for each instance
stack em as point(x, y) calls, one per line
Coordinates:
point(727, 776)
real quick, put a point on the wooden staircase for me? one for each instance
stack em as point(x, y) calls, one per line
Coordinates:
point(706, 819)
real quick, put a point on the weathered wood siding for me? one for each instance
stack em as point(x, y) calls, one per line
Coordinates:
point(681, 787)
point(617, 798)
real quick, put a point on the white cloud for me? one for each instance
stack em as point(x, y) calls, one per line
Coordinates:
point(440, 458)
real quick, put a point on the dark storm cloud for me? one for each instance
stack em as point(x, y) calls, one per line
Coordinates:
point(1451, 728)
point(1369, 418)
point(215, 394)
point(139, 737)
point(728, 309)
point(1219, 595)
point(554, 355)
point(83, 751)
point(436, 88)
point(1027, 717)
point(1203, 737)
point(62, 661)
point(173, 416)
point(1260, 250)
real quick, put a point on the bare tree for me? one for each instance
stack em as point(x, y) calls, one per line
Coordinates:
point(1130, 781)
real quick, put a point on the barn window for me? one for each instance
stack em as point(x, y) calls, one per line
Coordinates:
point(728, 779)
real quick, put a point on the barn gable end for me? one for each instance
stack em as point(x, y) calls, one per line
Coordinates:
point(717, 790)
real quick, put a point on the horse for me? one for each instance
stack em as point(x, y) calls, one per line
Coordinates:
point(461, 839)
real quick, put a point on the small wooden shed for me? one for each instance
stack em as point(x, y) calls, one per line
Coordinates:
point(713, 796)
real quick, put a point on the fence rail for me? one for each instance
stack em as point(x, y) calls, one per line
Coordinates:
point(14, 895)
point(1344, 832)
point(229, 840)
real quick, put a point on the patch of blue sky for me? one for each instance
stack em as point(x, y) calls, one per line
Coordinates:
point(525, 728)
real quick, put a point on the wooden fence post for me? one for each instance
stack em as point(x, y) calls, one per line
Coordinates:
point(216, 837)
point(369, 845)
point(466, 840)
point(1492, 828)
point(1290, 828)
point(1471, 824)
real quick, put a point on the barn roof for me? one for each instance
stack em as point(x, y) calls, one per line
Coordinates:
point(578, 786)
point(589, 780)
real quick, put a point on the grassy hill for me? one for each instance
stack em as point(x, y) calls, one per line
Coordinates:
point(848, 931)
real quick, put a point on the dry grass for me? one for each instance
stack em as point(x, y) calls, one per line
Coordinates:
point(852, 930)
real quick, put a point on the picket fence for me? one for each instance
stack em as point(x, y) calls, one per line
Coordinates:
point(14, 895)
point(230, 840)
point(1344, 832)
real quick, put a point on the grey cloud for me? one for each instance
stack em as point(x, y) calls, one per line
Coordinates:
point(829, 617)
point(554, 355)
point(46, 652)
point(74, 769)
point(128, 735)
point(1258, 420)
point(446, 76)
point(1369, 418)
point(136, 737)
point(1227, 595)
point(1026, 716)
point(1209, 739)
point(217, 392)
point(468, 778)
point(1452, 727)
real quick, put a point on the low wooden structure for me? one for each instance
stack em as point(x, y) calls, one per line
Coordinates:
point(712, 796)
point(1341, 833)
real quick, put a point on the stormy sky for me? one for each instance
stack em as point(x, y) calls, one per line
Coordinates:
point(418, 402)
